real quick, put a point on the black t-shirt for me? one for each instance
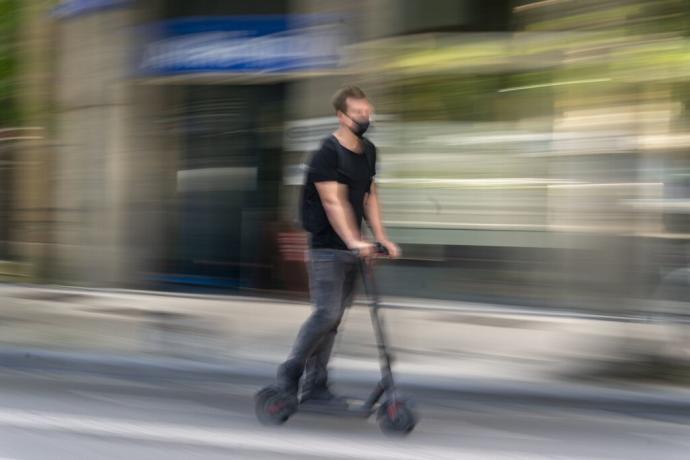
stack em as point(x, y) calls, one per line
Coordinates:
point(333, 162)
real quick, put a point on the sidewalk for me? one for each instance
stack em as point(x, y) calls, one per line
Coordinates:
point(471, 348)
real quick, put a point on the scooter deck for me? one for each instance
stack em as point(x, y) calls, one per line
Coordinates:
point(351, 409)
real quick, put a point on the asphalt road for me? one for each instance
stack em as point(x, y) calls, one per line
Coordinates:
point(48, 415)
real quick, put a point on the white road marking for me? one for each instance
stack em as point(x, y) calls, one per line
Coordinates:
point(256, 439)
point(260, 439)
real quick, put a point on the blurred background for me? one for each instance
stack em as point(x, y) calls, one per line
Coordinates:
point(532, 153)
point(534, 158)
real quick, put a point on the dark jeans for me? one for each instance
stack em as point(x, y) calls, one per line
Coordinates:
point(332, 275)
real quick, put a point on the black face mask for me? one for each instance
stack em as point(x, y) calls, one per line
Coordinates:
point(360, 126)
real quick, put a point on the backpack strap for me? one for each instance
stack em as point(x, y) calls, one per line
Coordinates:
point(339, 150)
point(370, 159)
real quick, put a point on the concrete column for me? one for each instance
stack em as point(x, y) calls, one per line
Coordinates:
point(95, 145)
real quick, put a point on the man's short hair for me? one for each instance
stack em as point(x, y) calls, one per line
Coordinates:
point(340, 97)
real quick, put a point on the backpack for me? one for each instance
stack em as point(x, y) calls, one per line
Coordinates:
point(302, 200)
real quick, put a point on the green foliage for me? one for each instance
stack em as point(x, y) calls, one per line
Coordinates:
point(9, 28)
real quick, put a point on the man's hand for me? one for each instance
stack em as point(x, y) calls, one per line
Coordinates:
point(363, 248)
point(393, 249)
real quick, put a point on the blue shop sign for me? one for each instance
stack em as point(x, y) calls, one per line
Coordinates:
point(237, 44)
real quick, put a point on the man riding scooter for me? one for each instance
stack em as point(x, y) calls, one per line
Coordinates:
point(339, 192)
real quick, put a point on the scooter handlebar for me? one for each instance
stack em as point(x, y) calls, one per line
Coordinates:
point(379, 250)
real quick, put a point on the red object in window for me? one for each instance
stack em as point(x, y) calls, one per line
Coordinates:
point(293, 246)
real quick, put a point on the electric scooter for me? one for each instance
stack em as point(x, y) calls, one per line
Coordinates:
point(394, 412)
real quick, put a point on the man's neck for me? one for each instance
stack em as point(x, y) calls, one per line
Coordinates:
point(349, 140)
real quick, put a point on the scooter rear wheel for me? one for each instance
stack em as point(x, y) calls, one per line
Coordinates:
point(396, 418)
point(274, 406)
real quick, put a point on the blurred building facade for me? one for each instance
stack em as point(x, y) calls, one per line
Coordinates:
point(531, 152)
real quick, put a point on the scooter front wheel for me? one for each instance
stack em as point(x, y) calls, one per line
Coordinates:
point(396, 418)
point(274, 406)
